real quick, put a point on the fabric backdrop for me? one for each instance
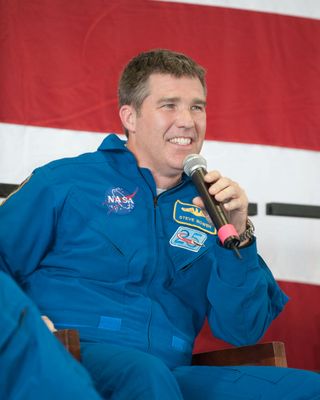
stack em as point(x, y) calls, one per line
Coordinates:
point(59, 67)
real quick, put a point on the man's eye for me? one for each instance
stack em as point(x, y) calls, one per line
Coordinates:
point(169, 106)
point(197, 108)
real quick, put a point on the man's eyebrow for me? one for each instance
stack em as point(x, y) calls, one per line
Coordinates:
point(168, 100)
point(199, 101)
point(177, 99)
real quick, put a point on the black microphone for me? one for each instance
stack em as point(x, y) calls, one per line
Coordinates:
point(195, 166)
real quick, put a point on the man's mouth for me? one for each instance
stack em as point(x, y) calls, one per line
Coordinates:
point(182, 141)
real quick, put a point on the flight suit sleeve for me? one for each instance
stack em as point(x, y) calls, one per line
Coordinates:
point(243, 295)
point(27, 226)
point(33, 364)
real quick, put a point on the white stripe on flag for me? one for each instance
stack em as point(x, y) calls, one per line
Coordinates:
point(298, 8)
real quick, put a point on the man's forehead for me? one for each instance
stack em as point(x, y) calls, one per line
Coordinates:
point(162, 83)
point(156, 76)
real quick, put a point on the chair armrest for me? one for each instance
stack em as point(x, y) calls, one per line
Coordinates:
point(70, 339)
point(267, 354)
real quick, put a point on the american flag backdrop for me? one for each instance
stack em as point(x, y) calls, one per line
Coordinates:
point(59, 67)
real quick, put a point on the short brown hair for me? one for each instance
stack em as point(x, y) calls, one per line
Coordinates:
point(133, 88)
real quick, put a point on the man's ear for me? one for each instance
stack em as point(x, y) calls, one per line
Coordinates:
point(128, 117)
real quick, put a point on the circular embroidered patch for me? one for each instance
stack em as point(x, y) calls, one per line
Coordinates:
point(119, 200)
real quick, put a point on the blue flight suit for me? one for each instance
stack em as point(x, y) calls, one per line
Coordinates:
point(135, 273)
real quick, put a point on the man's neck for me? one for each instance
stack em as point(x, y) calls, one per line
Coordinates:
point(163, 179)
point(166, 182)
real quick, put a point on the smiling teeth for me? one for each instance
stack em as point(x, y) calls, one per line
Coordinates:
point(181, 140)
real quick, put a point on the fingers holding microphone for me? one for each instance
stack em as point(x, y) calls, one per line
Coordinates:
point(232, 197)
point(223, 199)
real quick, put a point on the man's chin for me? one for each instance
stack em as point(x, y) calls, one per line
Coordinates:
point(177, 168)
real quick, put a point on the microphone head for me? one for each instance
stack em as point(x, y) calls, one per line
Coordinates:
point(193, 162)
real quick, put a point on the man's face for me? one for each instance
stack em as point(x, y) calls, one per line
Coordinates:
point(170, 125)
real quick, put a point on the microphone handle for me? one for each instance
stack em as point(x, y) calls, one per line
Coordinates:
point(226, 232)
point(212, 206)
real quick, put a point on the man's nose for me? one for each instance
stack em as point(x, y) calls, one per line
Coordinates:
point(185, 119)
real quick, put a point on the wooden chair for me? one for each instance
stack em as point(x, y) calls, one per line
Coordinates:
point(267, 354)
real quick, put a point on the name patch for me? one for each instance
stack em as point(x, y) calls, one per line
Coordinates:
point(191, 215)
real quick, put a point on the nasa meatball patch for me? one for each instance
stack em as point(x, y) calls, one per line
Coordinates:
point(120, 201)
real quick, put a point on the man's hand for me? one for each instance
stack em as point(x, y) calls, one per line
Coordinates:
point(232, 197)
point(49, 323)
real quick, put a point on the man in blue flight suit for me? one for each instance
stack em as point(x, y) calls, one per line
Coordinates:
point(116, 244)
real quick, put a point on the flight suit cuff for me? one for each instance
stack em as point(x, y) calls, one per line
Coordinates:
point(233, 270)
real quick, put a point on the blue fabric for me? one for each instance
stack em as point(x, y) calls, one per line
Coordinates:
point(122, 373)
point(247, 383)
point(33, 364)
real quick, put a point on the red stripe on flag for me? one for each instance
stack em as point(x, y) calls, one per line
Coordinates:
point(61, 62)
